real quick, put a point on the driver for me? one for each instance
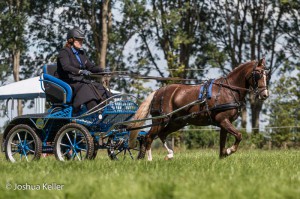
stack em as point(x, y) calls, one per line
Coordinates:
point(73, 67)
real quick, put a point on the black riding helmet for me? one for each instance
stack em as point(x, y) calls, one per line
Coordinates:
point(75, 33)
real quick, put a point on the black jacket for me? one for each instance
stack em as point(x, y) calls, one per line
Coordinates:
point(84, 90)
point(68, 66)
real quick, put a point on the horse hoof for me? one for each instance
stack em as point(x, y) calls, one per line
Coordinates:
point(168, 158)
point(222, 156)
point(228, 151)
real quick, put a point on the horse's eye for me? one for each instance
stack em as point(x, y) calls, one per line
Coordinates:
point(257, 76)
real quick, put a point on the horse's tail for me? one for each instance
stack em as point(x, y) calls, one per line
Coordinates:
point(141, 113)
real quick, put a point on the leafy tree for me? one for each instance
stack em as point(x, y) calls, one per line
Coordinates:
point(284, 110)
point(170, 32)
point(13, 43)
point(205, 138)
point(250, 30)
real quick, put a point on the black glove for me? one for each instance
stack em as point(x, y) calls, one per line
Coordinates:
point(85, 72)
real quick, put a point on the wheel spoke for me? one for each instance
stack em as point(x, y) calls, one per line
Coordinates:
point(69, 139)
point(28, 143)
point(32, 151)
point(14, 144)
point(25, 155)
point(75, 136)
point(66, 152)
point(25, 139)
point(81, 149)
point(73, 155)
point(77, 155)
point(65, 145)
point(19, 139)
point(15, 152)
point(80, 141)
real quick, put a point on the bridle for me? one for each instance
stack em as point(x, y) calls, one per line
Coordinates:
point(255, 76)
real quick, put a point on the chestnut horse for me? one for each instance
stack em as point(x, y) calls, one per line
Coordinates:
point(217, 102)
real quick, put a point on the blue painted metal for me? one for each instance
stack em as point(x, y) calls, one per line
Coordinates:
point(65, 112)
point(66, 87)
point(116, 111)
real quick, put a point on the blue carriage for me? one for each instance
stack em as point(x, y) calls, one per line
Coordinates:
point(69, 136)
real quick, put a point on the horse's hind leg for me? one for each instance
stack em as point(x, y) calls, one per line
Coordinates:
point(228, 127)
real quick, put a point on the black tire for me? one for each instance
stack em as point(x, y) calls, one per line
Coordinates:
point(22, 140)
point(119, 149)
point(73, 142)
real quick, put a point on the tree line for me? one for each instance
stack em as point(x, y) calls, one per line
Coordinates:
point(174, 38)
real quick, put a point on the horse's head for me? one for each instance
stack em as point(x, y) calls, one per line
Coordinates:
point(258, 80)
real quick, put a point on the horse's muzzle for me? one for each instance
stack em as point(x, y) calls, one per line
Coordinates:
point(263, 94)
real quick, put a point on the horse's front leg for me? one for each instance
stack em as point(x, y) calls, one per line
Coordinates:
point(170, 152)
point(228, 127)
point(163, 137)
point(223, 136)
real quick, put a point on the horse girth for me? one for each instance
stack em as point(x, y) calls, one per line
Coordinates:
point(217, 108)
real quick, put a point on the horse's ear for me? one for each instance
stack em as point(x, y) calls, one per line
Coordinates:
point(262, 62)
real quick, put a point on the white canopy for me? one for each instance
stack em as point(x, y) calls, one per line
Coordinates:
point(25, 89)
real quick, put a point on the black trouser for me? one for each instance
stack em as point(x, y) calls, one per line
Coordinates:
point(91, 104)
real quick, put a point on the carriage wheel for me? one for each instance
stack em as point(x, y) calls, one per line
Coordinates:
point(22, 144)
point(119, 149)
point(73, 142)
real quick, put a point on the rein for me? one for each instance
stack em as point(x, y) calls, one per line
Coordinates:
point(235, 88)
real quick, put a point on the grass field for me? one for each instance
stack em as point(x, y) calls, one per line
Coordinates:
point(191, 174)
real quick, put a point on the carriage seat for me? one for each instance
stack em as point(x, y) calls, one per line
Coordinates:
point(57, 91)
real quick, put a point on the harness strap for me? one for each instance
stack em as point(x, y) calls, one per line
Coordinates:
point(206, 89)
point(221, 107)
point(225, 107)
point(235, 88)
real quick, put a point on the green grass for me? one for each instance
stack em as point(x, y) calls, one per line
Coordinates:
point(191, 174)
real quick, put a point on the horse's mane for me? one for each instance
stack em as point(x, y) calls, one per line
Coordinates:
point(242, 66)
